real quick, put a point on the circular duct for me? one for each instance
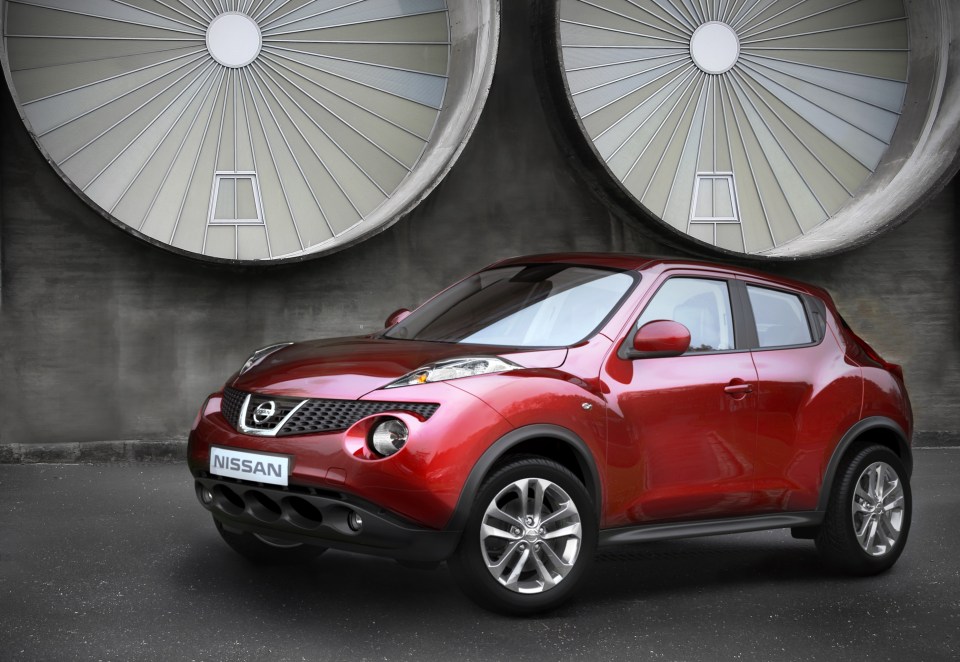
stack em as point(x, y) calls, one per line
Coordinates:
point(250, 130)
point(768, 128)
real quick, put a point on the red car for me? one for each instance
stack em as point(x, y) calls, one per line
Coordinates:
point(550, 404)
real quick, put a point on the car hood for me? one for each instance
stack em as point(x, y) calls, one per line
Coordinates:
point(349, 368)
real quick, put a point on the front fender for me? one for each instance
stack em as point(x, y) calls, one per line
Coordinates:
point(481, 469)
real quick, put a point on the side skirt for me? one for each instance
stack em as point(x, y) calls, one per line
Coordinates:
point(673, 530)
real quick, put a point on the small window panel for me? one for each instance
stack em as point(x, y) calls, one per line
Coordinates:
point(235, 199)
point(703, 306)
point(714, 198)
point(780, 318)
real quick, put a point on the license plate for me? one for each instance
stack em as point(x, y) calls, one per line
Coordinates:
point(256, 467)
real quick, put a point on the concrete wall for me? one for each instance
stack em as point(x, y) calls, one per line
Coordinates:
point(103, 337)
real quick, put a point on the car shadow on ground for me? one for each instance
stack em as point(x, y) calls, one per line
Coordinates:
point(351, 583)
point(705, 564)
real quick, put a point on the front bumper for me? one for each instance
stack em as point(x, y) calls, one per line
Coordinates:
point(320, 517)
point(421, 484)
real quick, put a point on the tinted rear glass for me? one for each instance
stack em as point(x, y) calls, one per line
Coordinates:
point(781, 320)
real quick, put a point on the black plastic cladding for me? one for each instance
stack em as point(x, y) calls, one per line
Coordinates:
point(314, 415)
point(330, 415)
point(230, 407)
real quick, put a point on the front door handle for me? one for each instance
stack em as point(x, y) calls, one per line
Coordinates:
point(737, 387)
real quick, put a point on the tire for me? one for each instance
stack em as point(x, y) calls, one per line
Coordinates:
point(881, 516)
point(556, 542)
point(263, 550)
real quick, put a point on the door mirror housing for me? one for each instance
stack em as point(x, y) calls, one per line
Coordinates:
point(658, 339)
point(396, 317)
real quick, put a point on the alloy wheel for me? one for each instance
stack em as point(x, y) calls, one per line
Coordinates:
point(878, 508)
point(531, 535)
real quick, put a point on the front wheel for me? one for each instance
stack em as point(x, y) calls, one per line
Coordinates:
point(868, 517)
point(529, 538)
point(265, 550)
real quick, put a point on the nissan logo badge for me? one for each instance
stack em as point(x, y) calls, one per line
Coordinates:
point(264, 411)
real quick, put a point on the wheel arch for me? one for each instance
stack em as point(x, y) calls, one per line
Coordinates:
point(876, 430)
point(550, 441)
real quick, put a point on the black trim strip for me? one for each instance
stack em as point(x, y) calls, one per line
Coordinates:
point(854, 433)
point(674, 530)
point(818, 316)
point(744, 323)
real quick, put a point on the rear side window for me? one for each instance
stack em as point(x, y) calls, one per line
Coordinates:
point(780, 317)
point(703, 306)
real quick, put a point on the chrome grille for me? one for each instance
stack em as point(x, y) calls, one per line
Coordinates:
point(280, 408)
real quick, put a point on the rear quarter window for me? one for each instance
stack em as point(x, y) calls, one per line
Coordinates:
point(780, 317)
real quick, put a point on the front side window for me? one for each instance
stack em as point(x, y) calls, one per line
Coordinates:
point(781, 320)
point(703, 306)
point(540, 305)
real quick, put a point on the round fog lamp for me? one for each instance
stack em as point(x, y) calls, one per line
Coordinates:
point(389, 436)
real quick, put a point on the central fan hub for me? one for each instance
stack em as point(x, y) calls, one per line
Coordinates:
point(715, 47)
point(234, 39)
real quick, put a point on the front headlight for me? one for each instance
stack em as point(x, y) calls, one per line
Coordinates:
point(261, 354)
point(455, 369)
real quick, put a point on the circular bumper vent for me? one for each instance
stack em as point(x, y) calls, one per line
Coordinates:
point(248, 130)
point(773, 128)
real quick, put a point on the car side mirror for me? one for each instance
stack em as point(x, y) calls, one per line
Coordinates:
point(660, 338)
point(396, 317)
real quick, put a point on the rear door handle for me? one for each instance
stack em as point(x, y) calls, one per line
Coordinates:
point(737, 387)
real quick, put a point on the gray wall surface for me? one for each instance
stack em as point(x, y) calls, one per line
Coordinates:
point(103, 337)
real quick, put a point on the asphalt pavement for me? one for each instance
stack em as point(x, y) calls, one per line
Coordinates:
point(118, 562)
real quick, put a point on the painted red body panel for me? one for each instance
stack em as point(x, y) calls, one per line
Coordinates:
point(680, 447)
point(808, 398)
point(348, 368)
point(662, 337)
point(422, 483)
point(668, 436)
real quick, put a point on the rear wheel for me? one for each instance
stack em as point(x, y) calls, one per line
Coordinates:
point(529, 538)
point(868, 517)
point(265, 550)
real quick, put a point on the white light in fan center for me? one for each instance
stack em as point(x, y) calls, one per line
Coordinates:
point(715, 47)
point(233, 39)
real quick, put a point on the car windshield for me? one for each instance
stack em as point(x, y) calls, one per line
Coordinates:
point(540, 305)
